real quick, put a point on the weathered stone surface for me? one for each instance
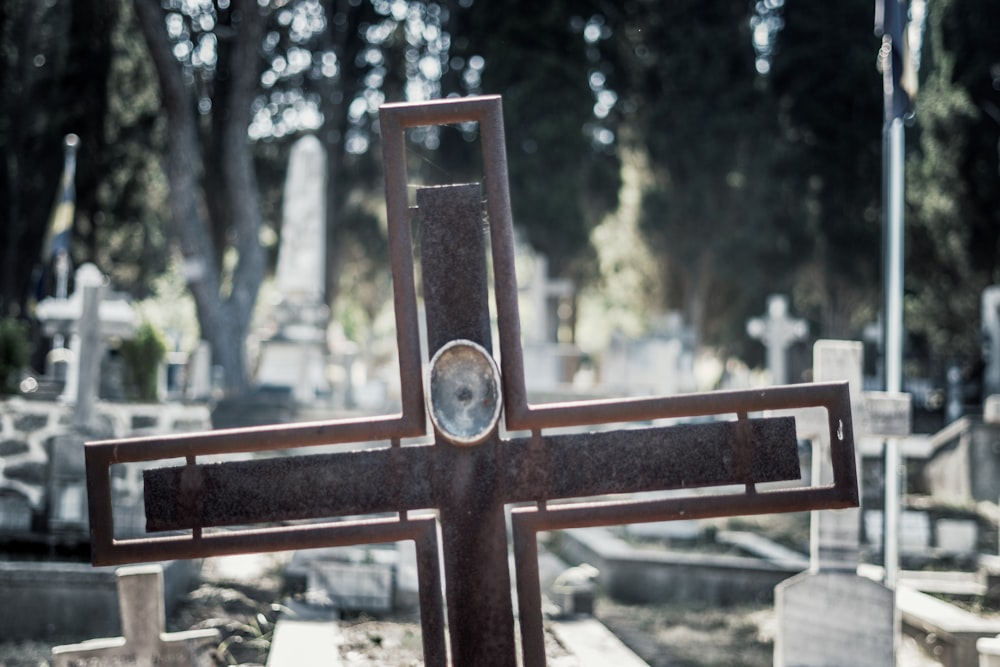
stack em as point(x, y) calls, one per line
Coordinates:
point(185, 425)
point(143, 421)
point(30, 421)
point(13, 447)
point(834, 618)
point(29, 472)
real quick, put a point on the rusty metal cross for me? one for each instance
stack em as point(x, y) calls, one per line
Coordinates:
point(463, 466)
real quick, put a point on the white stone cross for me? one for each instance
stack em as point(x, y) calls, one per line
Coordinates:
point(830, 615)
point(90, 320)
point(834, 540)
point(777, 331)
point(144, 642)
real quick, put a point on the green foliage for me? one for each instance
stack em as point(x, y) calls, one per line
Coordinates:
point(708, 126)
point(15, 353)
point(755, 184)
point(143, 355)
point(953, 189)
point(829, 99)
point(77, 67)
point(564, 171)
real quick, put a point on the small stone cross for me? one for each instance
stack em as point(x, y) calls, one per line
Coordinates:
point(835, 535)
point(91, 320)
point(485, 449)
point(143, 642)
point(777, 331)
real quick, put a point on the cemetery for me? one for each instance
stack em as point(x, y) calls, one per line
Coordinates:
point(352, 339)
point(45, 510)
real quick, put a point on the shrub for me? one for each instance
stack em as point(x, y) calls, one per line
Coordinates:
point(15, 353)
point(142, 356)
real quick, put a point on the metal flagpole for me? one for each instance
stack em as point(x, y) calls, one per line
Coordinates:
point(894, 137)
point(61, 225)
point(898, 66)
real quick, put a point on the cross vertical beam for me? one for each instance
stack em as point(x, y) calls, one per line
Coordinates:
point(452, 256)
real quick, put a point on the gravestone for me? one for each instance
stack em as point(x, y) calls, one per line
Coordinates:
point(829, 615)
point(294, 357)
point(114, 318)
point(990, 317)
point(553, 359)
point(778, 332)
point(915, 539)
point(548, 297)
point(661, 363)
point(91, 321)
point(144, 642)
point(462, 464)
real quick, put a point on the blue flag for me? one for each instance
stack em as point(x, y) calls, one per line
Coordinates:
point(899, 75)
point(60, 227)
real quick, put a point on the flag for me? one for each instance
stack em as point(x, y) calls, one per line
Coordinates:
point(60, 226)
point(896, 60)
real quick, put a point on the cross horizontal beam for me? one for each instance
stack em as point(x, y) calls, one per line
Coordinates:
point(408, 478)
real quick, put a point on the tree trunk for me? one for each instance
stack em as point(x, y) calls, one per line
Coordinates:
point(223, 315)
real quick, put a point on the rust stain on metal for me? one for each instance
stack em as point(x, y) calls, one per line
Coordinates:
point(469, 483)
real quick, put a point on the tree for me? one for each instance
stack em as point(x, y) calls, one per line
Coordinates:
point(697, 109)
point(829, 96)
point(953, 188)
point(208, 68)
point(546, 62)
point(71, 67)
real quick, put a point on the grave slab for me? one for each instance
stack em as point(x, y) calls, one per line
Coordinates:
point(593, 645)
point(305, 644)
point(954, 631)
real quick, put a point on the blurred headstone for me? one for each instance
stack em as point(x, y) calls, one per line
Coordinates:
point(198, 373)
point(778, 331)
point(830, 615)
point(552, 359)
point(660, 364)
point(990, 304)
point(294, 357)
point(114, 318)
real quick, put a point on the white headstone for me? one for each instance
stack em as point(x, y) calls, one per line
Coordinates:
point(546, 298)
point(144, 642)
point(833, 619)
point(63, 317)
point(990, 304)
point(829, 615)
point(198, 382)
point(295, 357)
point(777, 331)
point(957, 536)
point(301, 270)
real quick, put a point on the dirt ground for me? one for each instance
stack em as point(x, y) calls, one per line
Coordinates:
point(663, 635)
point(245, 605)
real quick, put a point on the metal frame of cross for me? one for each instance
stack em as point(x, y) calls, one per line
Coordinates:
point(470, 485)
